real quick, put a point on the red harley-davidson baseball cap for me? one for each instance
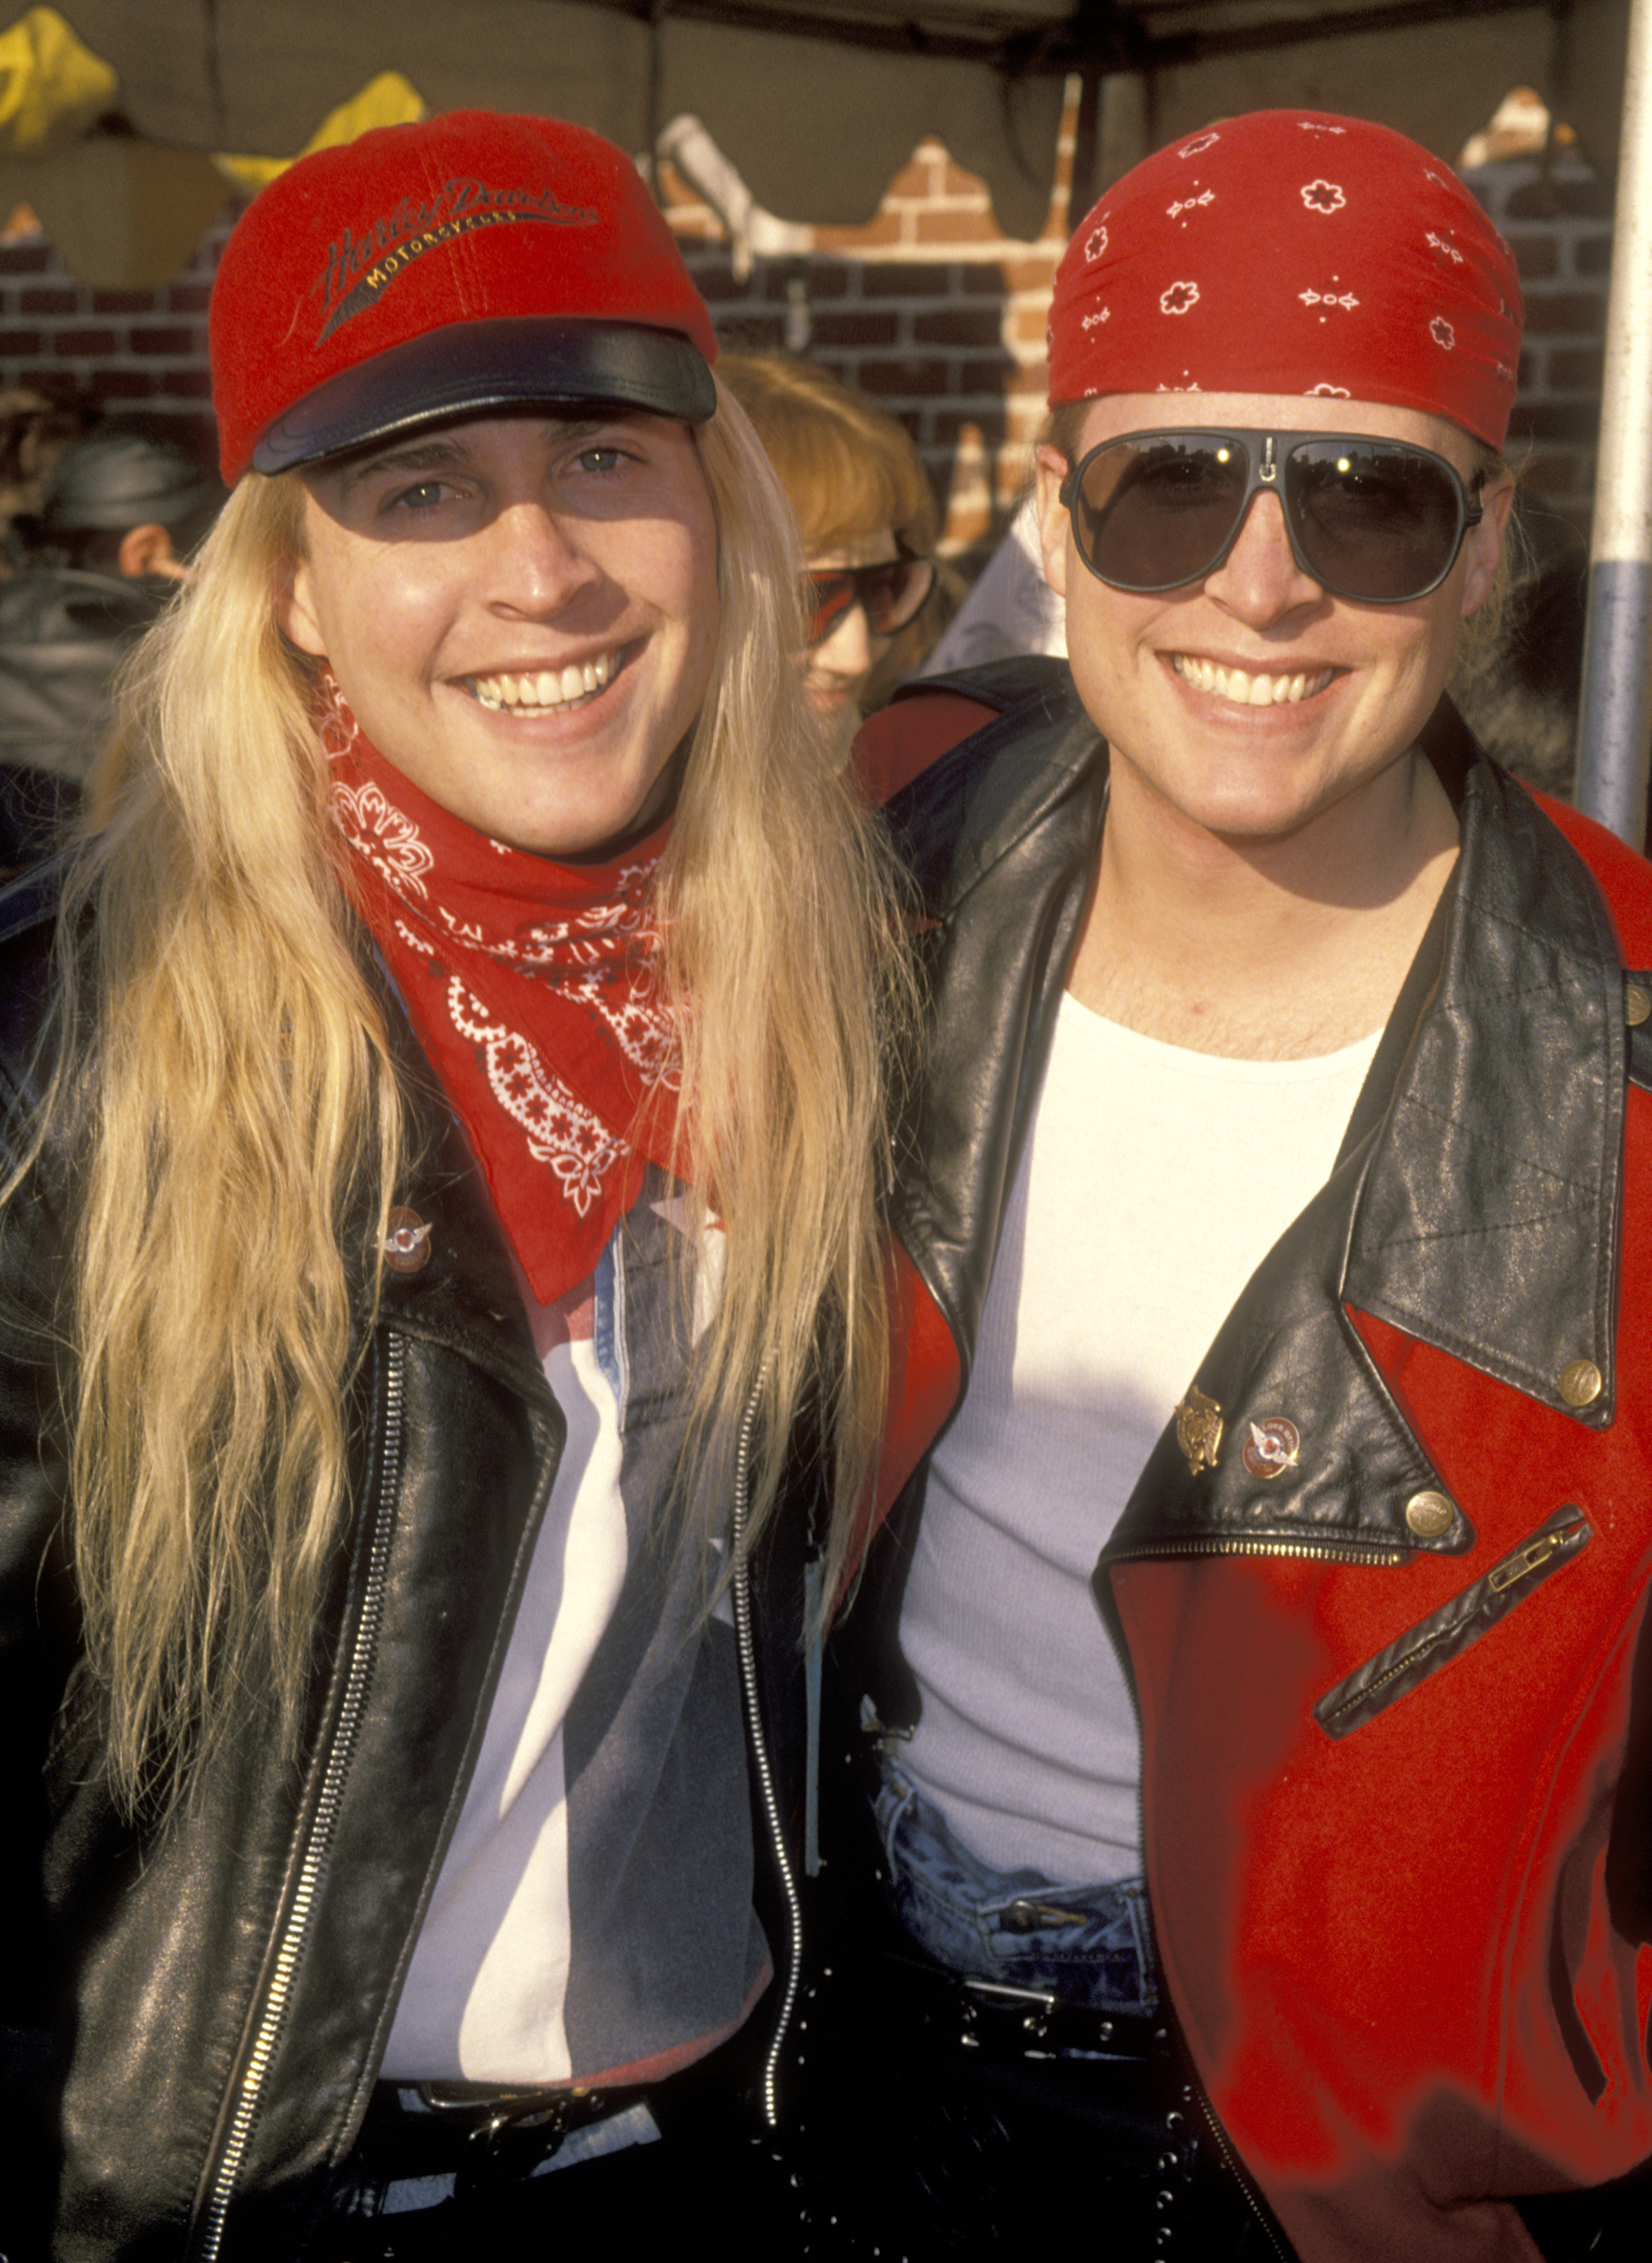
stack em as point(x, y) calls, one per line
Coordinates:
point(472, 261)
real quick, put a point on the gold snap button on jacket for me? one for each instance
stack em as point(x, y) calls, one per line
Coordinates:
point(1428, 1515)
point(1637, 1005)
point(1582, 1383)
point(406, 1241)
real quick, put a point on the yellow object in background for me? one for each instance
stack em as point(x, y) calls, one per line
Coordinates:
point(387, 100)
point(52, 89)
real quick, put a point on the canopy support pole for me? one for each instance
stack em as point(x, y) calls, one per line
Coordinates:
point(1615, 722)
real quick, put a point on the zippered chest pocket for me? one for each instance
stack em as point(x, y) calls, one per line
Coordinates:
point(1445, 1633)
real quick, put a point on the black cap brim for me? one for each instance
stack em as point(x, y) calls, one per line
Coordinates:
point(468, 368)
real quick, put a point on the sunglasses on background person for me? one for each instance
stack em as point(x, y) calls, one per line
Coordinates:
point(892, 594)
point(1378, 521)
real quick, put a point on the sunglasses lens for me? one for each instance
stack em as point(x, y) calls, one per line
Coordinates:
point(829, 597)
point(1152, 515)
point(893, 594)
point(1373, 523)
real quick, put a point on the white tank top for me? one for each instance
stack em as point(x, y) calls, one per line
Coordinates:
point(1154, 1182)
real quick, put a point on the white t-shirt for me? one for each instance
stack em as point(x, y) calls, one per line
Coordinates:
point(1154, 1182)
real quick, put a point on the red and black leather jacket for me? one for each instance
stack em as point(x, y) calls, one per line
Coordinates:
point(1395, 1698)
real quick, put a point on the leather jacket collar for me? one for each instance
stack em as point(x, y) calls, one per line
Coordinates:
point(1473, 1205)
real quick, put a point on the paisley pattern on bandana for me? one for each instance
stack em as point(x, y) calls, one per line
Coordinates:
point(532, 987)
point(1288, 253)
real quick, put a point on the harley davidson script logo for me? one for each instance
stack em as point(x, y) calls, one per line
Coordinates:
point(361, 268)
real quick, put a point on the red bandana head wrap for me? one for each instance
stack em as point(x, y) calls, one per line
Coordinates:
point(532, 987)
point(1290, 252)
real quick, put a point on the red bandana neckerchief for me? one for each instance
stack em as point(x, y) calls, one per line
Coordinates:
point(532, 987)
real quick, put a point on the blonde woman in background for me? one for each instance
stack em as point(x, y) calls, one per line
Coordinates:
point(465, 1015)
point(867, 510)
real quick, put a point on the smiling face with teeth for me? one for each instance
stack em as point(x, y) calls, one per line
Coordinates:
point(1251, 703)
point(522, 611)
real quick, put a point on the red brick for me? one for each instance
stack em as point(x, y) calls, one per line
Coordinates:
point(951, 424)
point(907, 279)
point(1577, 421)
point(55, 384)
point(1032, 273)
point(957, 182)
point(88, 345)
point(1535, 254)
point(125, 302)
point(985, 373)
point(951, 227)
point(112, 385)
point(1552, 471)
point(48, 302)
point(1576, 369)
point(715, 284)
point(23, 258)
point(190, 298)
point(1538, 199)
point(883, 230)
point(752, 332)
point(917, 179)
point(924, 379)
point(1550, 313)
point(166, 344)
point(831, 278)
point(981, 279)
point(958, 326)
point(1591, 255)
point(20, 341)
point(854, 329)
point(186, 384)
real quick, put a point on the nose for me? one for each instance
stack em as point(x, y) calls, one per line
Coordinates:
point(848, 651)
point(1259, 581)
point(536, 564)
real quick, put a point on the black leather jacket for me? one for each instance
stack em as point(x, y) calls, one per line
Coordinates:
point(1395, 1626)
point(204, 2009)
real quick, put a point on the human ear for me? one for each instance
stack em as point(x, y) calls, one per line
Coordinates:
point(147, 550)
point(1483, 544)
point(1052, 469)
point(295, 608)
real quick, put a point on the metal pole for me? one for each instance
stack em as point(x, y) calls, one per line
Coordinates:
point(1615, 725)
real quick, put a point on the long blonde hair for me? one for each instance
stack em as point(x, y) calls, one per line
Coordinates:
point(242, 1105)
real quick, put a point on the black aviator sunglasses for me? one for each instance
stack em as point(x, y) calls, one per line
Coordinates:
point(1378, 521)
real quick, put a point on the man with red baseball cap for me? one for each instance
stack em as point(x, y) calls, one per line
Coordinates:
point(453, 1136)
point(1254, 1656)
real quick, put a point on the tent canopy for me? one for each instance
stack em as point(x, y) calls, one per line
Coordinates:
point(817, 108)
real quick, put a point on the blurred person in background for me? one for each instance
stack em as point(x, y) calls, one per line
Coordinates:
point(122, 512)
point(867, 513)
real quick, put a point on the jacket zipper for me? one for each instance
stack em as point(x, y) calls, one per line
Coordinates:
point(1323, 1551)
point(769, 1797)
point(304, 1899)
point(1399, 1668)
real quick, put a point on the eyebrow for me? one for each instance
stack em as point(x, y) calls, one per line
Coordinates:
point(440, 452)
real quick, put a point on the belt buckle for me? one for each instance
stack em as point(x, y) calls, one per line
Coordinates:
point(514, 2133)
point(1026, 2010)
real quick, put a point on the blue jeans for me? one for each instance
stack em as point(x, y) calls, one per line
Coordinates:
point(1086, 1944)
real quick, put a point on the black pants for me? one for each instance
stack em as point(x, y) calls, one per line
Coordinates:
point(932, 2127)
point(713, 2184)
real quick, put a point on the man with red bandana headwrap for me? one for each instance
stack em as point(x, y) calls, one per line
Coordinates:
point(1253, 1649)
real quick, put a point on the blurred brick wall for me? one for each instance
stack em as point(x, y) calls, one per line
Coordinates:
point(1558, 221)
point(119, 352)
point(927, 307)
